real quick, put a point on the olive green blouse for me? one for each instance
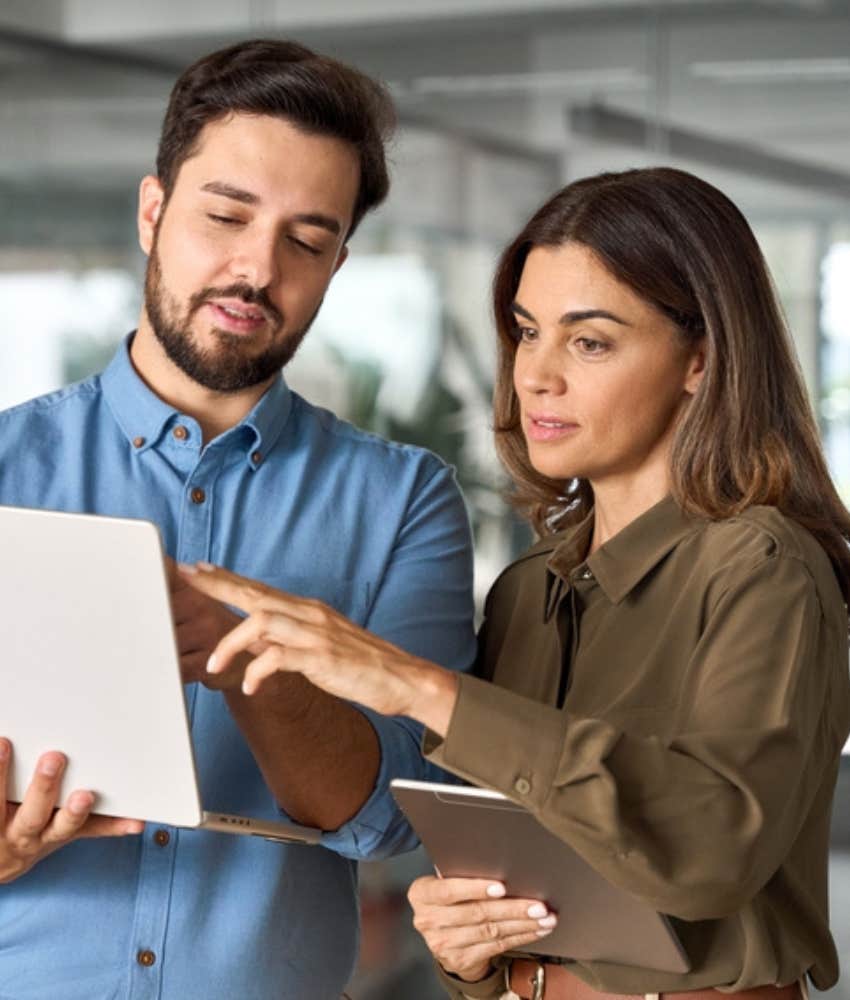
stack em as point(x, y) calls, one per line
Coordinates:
point(674, 707)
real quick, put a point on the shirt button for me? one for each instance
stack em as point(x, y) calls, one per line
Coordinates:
point(161, 838)
point(180, 432)
point(256, 457)
point(138, 442)
point(522, 785)
point(198, 495)
point(146, 958)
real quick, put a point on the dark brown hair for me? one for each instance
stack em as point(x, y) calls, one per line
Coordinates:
point(748, 435)
point(285, 80)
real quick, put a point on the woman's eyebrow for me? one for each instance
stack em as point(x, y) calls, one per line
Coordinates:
point(575, 316)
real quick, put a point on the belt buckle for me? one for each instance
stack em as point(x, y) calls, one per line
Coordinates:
point(538, 982)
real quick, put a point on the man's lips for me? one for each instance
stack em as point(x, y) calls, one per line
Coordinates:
point(548, 427)
point(236, 315)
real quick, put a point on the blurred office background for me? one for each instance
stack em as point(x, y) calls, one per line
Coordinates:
point(501, 101)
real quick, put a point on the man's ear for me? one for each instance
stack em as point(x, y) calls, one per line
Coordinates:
point(151, 202)
point(341, 259)
point(696, 368)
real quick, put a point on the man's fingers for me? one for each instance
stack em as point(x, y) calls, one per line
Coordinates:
point(110, 826)
point(66, 822)
point(39, 799)
point(5, 760)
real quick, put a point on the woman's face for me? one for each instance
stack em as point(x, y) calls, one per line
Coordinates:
point(600, 374)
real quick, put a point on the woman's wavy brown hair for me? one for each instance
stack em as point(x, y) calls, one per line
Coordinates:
point(748, 435)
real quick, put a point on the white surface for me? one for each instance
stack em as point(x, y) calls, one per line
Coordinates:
point(89, 664)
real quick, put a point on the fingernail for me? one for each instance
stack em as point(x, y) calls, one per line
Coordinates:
point(246, 687)
point(79, 804)
point(50, 766)
point(549, 921)
point(205, 567)
point(495, 890)
point(543, 933)
point(211, 663)
point(537, 910)
point(187, 568)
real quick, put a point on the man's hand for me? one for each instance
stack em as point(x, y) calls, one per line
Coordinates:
point(201, 622)
point(467, 922)
point(35, 828)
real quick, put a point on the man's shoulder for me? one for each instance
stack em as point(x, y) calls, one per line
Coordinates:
point(53, 405)
point(345, 438)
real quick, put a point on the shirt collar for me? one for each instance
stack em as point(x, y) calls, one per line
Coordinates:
point(622, 562)
point(143, 416)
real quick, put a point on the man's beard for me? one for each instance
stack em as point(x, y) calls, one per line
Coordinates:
point(227, 368)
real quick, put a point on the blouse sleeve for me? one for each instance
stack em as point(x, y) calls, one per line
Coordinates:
point(694, 823)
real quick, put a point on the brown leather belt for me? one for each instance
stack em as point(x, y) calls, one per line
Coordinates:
point(544, 981)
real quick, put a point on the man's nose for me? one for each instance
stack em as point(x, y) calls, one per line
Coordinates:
point(256, 262)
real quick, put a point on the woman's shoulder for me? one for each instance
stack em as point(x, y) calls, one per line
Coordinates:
point(762, 543)
point(757, 534)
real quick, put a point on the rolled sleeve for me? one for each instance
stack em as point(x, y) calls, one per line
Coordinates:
point(379, 829)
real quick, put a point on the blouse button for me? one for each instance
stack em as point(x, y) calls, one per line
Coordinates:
point(522, 785)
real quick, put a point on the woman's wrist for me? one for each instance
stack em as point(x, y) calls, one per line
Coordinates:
point(433, 695)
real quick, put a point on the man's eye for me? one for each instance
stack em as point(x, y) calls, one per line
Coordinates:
point(307, 247)
point(224, 220)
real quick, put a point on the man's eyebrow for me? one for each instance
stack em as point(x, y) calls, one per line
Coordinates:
point(322, 221)
point(249, 198)
point(574, 317)
point(229, 191)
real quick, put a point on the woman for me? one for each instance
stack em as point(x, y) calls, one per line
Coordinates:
point(663, 678)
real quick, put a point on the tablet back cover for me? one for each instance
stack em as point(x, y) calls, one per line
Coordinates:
point(480, 834)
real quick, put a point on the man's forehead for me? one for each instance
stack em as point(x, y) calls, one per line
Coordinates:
point(260, 158)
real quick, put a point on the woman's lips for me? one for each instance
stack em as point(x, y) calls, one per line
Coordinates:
point(548, 428)
point(237, 317)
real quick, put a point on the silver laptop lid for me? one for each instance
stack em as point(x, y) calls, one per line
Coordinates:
point(89, 664)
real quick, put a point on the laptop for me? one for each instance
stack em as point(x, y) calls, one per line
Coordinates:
point(477, 833)
point(90, 667)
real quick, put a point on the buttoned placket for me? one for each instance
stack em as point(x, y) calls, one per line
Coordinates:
point(181, 444)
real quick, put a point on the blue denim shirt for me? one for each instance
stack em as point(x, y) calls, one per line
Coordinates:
point(307, 503)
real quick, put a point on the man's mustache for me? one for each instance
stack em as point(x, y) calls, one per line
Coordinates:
point(240, 290)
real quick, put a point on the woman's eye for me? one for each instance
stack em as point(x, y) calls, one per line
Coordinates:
point(525, 334)
point(590, 346)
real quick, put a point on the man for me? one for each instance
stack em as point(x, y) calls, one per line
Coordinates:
point(269, 157)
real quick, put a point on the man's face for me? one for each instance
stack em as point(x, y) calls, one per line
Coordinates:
point(241, 254)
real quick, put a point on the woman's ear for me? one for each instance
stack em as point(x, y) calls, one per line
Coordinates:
point(695, 369)
point(151, 200)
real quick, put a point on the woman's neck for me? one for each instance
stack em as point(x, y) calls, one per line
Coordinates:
point(616, 505)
